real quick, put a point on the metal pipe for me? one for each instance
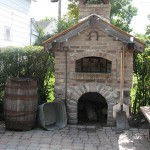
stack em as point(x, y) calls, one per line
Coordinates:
point(122, 79)
point(30, 31)
point(59, 10)
point(66, 71)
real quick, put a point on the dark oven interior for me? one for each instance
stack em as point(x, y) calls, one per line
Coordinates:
point(92, 108)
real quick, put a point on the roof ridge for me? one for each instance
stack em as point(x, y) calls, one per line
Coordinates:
point(102, 18)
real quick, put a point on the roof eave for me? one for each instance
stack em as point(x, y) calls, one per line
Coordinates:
point(103, 25)
point(64, 32)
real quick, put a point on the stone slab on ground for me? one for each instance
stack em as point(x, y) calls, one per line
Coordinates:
point(2, 127)
point(146, 111)
point(73, 138)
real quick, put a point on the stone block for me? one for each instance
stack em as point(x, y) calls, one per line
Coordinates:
point(72, 121)
point(72, 116)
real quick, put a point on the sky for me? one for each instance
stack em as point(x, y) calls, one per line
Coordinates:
point(140, 22)
point(43, 8)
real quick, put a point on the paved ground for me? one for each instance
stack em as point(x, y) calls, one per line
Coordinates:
point(75, 137)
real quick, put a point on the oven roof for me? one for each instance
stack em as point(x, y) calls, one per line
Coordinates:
point(100, 23)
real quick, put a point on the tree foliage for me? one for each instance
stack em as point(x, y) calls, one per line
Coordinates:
point(42, 38)
point(121, 12)
point(73, 11)
point(141, 82)
point(148, 27)
point(42, 35)
point(64, 24)
point(47, 18)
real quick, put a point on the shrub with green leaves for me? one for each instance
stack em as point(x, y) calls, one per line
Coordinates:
point(31, 62)
point(141, 80)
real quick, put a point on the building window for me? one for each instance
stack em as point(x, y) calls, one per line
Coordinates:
point(7, 33)
point(93, 65)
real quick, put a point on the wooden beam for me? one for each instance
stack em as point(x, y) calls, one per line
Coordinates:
point(49, 45)
point(119, 35)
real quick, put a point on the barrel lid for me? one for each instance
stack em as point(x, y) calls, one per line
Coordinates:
point(20, 79)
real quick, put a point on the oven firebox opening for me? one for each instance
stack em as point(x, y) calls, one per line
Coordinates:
point(92, 108)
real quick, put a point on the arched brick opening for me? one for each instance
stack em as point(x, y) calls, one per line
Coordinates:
point(89, 53)
point(111, 96)
point(92, 108)
point(107, 56)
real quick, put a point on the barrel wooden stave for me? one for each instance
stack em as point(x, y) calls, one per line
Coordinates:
point(20, 103)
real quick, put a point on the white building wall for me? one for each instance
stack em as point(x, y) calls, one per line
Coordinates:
point(15, 16)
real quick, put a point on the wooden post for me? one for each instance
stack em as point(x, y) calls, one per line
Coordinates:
point(122, 79)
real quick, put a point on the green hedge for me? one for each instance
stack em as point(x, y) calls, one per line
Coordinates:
point(141, 80)
point(30, 61)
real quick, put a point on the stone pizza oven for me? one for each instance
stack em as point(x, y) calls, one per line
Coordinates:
point(87, 65)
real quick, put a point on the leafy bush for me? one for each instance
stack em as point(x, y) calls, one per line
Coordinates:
point(30, 61)
point(141, 80)
point(41, 39)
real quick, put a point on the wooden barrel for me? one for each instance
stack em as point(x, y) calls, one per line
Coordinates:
point(20, 103)
point(106, 1)
point(54, 0)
